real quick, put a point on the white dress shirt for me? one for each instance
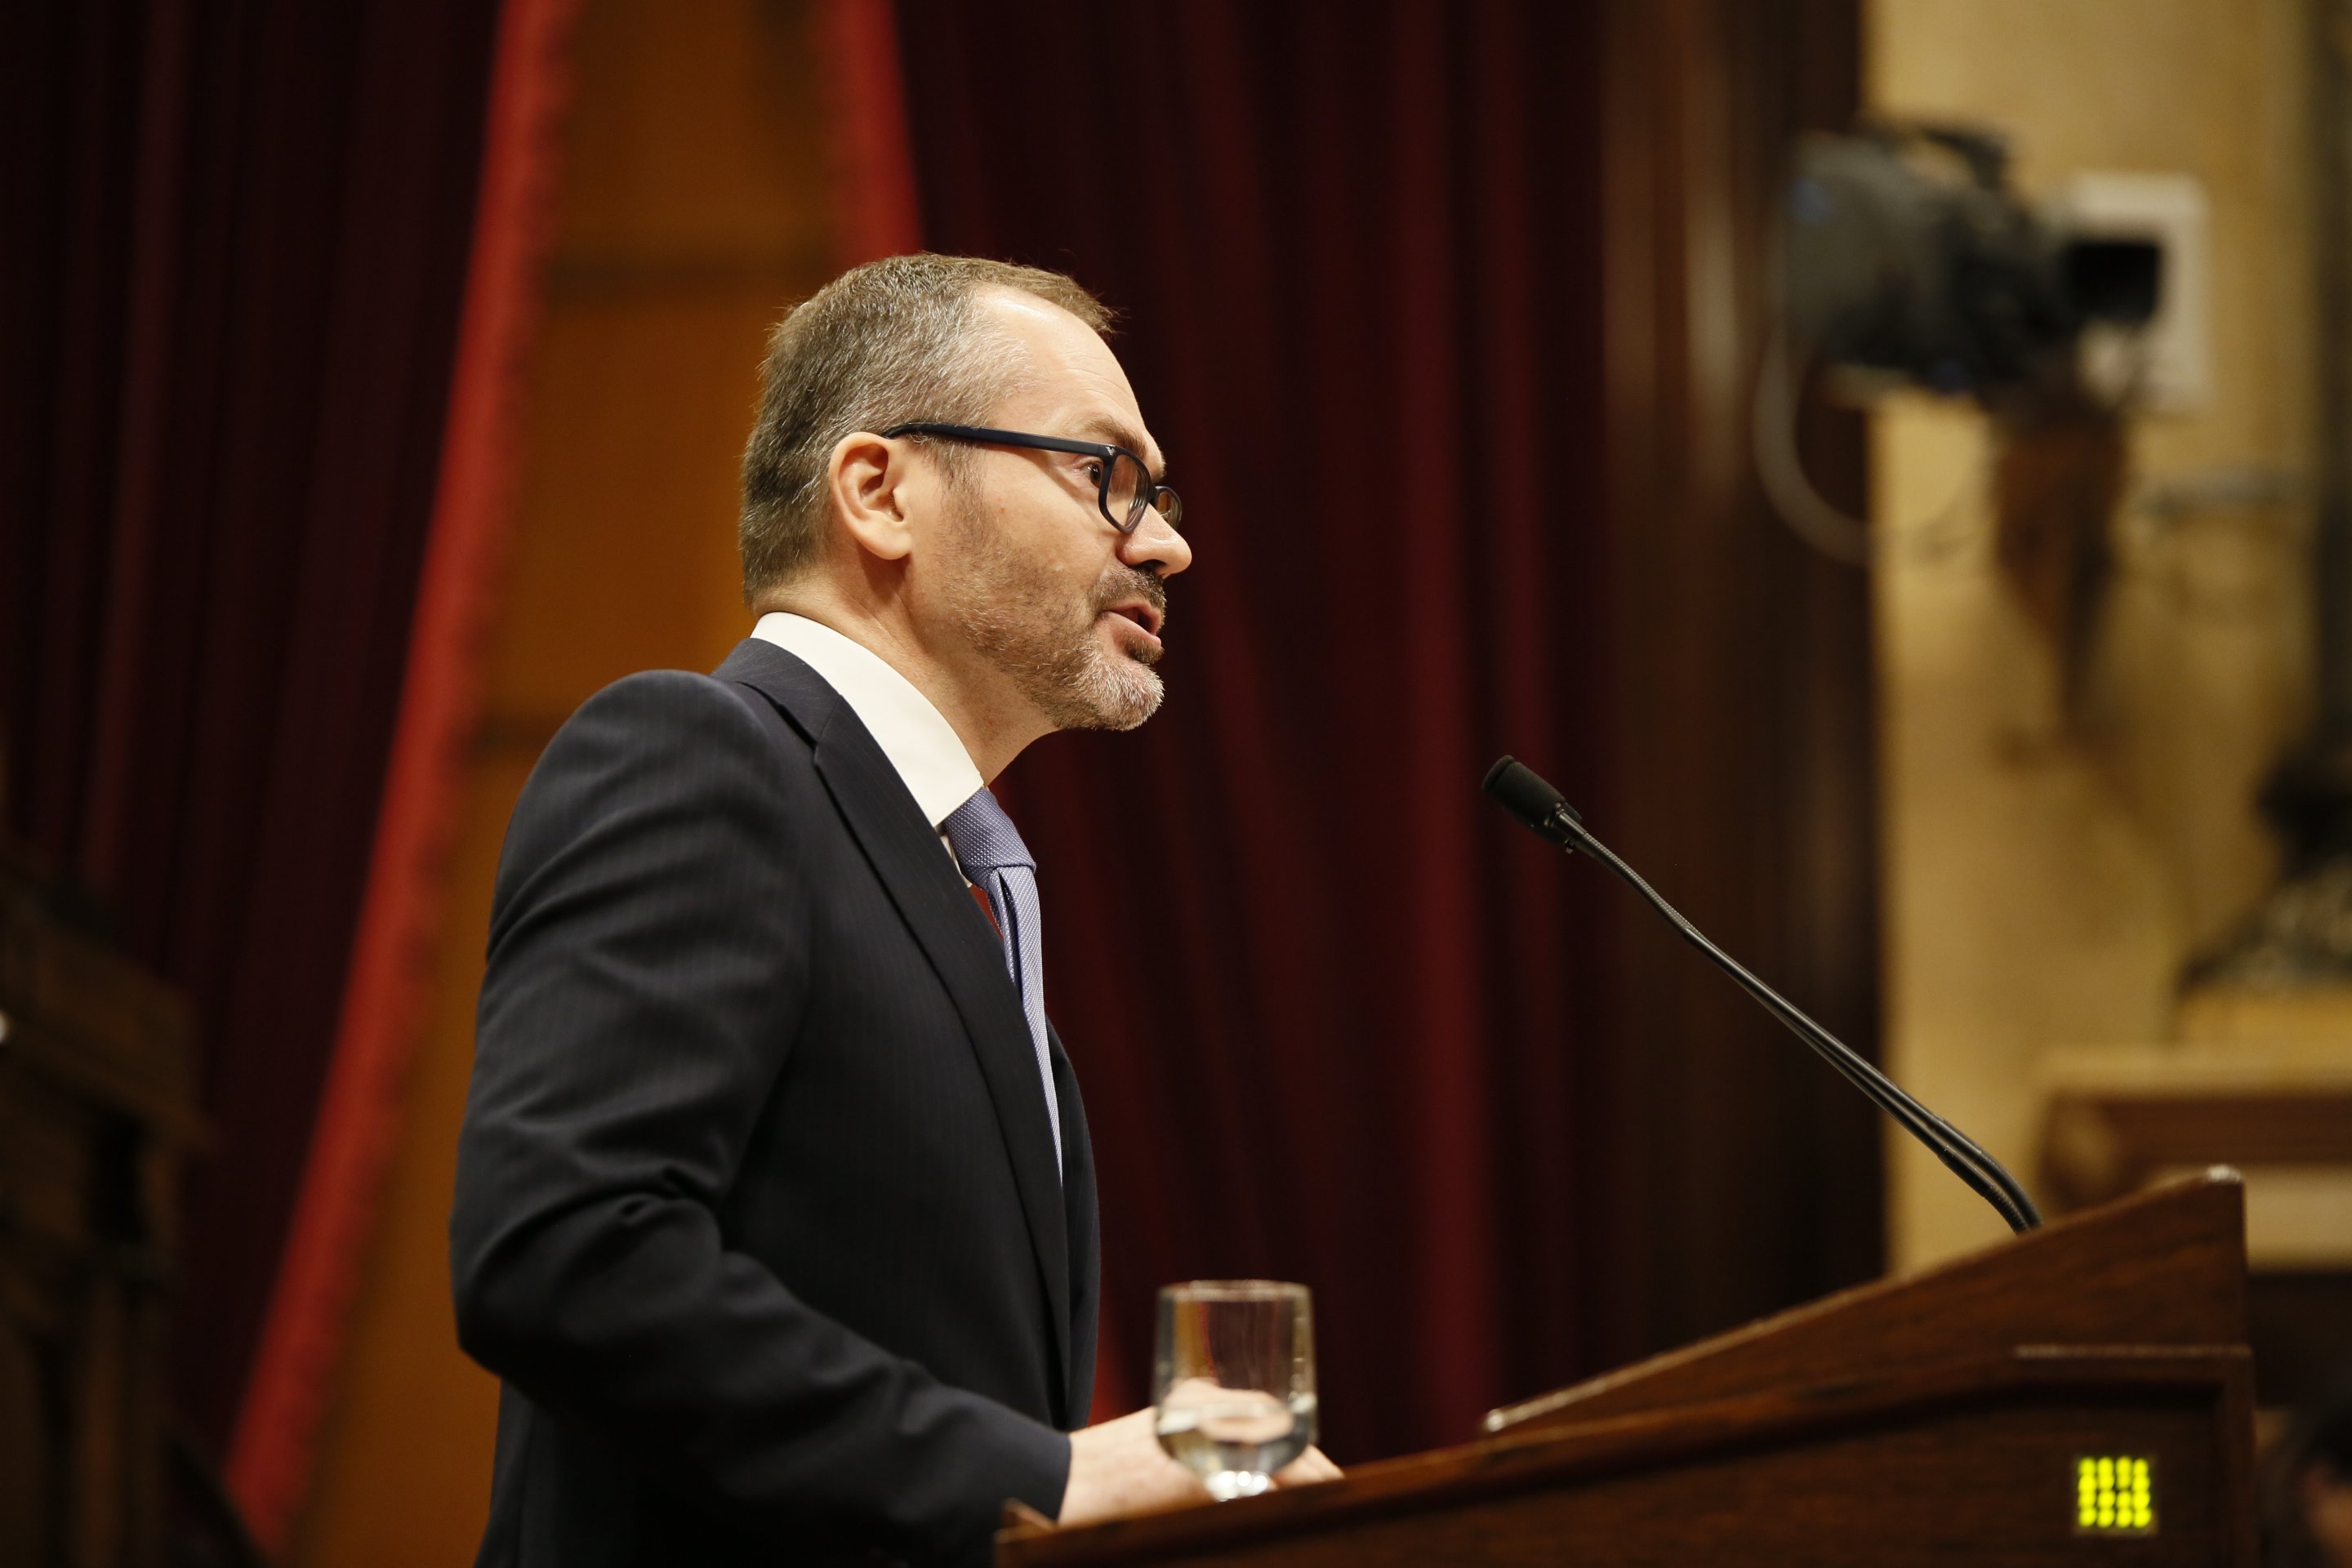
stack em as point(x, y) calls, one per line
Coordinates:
point(916, 738)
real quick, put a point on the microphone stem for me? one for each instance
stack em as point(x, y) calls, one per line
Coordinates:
point(1984, 1174)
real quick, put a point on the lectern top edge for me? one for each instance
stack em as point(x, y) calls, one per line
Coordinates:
point(2090, 1277)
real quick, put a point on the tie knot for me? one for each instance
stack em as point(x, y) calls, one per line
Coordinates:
point(983, 838)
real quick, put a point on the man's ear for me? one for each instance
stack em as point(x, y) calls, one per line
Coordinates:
point(867, 477)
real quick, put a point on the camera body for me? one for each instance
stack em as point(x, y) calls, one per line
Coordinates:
point(1905, 252)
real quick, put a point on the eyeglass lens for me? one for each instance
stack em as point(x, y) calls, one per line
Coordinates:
point(1130, 493)
point(1128, 488)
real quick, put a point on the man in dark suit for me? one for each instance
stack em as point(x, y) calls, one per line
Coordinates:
point(775, 1204)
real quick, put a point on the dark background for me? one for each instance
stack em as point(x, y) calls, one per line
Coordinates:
point(232, 250)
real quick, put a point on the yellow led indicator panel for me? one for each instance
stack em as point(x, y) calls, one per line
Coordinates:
point(2114, 1494)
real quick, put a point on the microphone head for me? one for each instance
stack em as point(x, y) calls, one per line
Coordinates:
point(1524, 793)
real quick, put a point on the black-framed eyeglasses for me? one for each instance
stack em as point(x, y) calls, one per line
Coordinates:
point(1125, 489)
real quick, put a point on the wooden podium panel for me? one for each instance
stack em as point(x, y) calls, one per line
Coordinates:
point(1835, 1434)
point(2163, 1268)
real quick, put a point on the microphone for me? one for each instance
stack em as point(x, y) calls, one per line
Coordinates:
point(1544, 811)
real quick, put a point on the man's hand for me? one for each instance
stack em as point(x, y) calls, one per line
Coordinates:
point(1306, 1469)
point(1119, 1468)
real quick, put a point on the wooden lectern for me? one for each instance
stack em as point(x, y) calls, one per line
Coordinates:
point(2081, 1394)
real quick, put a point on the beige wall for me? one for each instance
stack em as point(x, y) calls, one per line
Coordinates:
point(692, 214)
point(2042, 889)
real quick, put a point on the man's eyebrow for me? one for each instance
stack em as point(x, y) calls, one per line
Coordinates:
point(1105, 427)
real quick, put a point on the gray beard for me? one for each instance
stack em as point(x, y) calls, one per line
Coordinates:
point(1008, 606)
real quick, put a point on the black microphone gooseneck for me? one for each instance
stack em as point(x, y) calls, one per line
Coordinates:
point(1525, 794)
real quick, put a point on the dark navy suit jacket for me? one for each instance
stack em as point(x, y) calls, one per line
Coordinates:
point(757, 1215)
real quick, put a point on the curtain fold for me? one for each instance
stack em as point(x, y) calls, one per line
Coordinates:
point(357, 1128)
point(235, 254)
point(1336, 1018)
point(871, 175)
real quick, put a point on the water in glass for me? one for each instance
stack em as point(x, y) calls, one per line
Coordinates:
point(1233, 1379)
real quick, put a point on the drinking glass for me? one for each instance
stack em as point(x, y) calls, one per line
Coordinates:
point(1233, 1379)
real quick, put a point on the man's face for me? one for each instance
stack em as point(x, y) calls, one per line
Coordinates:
point(1036, 582)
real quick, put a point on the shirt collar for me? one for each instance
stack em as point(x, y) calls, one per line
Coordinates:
point(916, 738)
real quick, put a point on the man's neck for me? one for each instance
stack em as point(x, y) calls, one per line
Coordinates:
point(993, 724)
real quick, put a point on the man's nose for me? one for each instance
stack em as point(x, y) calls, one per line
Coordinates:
point(1155, 547)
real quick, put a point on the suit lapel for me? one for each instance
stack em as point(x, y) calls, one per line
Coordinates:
point(1084, 1230)
point(921, 881)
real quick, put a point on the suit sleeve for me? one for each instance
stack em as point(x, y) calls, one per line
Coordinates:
point(649, 968)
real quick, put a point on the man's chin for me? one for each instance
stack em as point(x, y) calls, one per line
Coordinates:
point(1117, 695)
point(1149, 693)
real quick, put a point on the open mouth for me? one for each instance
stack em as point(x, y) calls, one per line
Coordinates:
point(1143, 616)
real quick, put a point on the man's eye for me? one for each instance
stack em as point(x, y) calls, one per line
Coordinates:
point(1094, 472)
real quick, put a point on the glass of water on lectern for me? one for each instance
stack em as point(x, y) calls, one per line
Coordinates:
point(1234, 1381)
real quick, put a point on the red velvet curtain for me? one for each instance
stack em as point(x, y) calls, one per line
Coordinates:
point(235, 239)
point(1337, 1019)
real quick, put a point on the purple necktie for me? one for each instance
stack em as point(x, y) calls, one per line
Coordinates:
point(989, 848)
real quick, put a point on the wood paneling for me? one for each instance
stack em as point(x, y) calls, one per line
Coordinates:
point(96, 1119)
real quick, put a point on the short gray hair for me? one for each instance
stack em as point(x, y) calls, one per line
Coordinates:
point(885, 343)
